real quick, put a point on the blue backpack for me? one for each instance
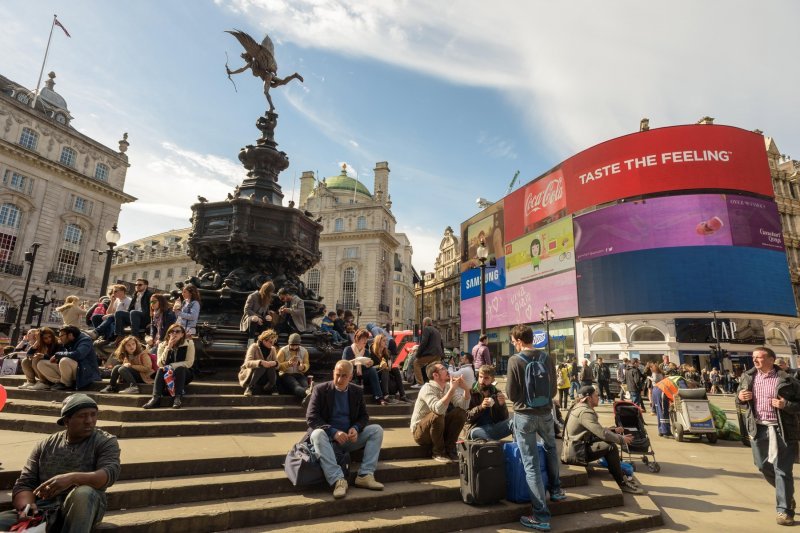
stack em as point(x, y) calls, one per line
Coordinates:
point(538, 389)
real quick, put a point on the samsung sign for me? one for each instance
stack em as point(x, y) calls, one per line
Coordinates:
point(539, 339)
point(495, 280)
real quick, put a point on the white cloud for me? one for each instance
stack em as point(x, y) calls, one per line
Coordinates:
point(425, 245)
point(353, 143)
point(496, 147)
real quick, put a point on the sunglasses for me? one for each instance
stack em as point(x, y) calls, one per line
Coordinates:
point(174, 331)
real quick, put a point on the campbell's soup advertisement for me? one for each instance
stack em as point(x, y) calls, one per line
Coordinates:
point(486, 226)
point(547, 250)
point(700, 156)
point(537, 204)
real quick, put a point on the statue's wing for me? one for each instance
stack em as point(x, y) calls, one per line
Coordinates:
point(264, 55)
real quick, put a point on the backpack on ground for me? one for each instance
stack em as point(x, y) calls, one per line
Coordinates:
point(482, 471)
point(538, 389)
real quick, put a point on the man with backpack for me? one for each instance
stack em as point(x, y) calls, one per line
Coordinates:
point(531, 387)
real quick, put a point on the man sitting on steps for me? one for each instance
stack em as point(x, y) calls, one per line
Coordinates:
point(337, 417)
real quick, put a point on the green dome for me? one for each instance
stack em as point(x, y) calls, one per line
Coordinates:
point(343, 182)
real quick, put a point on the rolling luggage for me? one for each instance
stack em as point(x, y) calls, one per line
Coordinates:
point(516, 484)
point(482, 473)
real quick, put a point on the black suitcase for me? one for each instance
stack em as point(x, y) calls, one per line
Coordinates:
point(482, 471)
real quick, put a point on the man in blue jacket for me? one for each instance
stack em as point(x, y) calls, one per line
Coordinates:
point(337, 418)
point(75, 366)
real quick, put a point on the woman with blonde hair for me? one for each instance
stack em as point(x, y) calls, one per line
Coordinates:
point(135, 366)
point(390, 376)
point(257, 316)
point(259, 371)
point(71, 311)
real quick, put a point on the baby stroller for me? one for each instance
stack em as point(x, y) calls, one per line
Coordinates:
point(628, 416)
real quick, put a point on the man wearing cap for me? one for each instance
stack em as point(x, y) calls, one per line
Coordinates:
point(73, 367)
point(292, 365)
point(585, 440)
point(68, 471)
point(337, 418)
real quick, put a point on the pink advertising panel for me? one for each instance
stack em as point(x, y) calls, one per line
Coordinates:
point(521, 304)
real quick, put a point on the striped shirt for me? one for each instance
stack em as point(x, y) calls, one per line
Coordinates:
point(763, 392)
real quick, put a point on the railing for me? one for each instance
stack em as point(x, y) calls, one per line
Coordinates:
point(66, 279)
point(10, 269)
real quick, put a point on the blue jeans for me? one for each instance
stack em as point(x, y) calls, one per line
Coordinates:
point(778, 475)
point(135, 319)
point(636, 397)
point(573, 388)
point(526, 428)
point(82, 508)
point(106, 329)
point(370, 438)
point(495, 431)
point(370, 375)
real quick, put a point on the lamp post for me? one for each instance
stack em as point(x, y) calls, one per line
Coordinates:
point(30, 258)
point(421, 300)
point(358, 313)
point(717, 334)
point(112, 238)
point(547, 315)
point(482, 254)
point(45, 303)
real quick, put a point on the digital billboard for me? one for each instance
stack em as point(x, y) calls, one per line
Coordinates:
point(693, 157)
point(536, 204)
point(487, 226)
point(545, 251)
point(522, 303)
point(471, 280)
point(689, 278)
point(686, 220)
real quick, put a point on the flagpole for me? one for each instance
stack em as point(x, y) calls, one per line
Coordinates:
point(44, 62)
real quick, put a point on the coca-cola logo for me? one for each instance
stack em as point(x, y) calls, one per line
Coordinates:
point(553, 193)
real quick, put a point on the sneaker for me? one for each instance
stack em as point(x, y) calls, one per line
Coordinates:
point(441, 459)
point(133, 389)
point(248, 392)
point(406, 399)
point(92, 333)
point(453, 455)
point(416, 386)
point(368, 482)
point(630, 487)
point(26, 385)
point(58, 386)
point(784, 519)
point(40, 386)
point(110, 388)
point(531, 522)
point(340, 488)
point(558, 495)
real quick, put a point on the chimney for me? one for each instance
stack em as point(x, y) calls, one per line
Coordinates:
point(382, 179)
point(306, 186)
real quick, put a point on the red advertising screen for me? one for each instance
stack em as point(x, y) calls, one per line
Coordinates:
point(699, 156)
point(537, 204)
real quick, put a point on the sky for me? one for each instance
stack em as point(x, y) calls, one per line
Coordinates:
point(456, 95)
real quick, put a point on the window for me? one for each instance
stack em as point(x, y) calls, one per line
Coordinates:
point(18, 182)
point(647, 334)
point(69, 254)
point(351, 252)
point(101, 172)
point(146, 274)
point(184, 271)
point(397, 301)
point(312, 280)
point(7, 244)
point(169, 272)
point(338, 224)
point(349, 288)
point(776, 337)
point(68, 156)
point(605, 335)
point(10, 216)
point(29, 139)
point(124, 277)
point(80, 204)
point(157, 274)
point(361, 223)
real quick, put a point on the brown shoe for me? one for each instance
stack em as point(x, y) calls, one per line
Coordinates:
point(784, 519)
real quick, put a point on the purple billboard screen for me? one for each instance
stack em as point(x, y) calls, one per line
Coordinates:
point(667, 222)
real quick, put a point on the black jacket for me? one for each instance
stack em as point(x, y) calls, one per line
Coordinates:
point(320, 408)
point(430, 343)
point(633, 378)
point(788, 388)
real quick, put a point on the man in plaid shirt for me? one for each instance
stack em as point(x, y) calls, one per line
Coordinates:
point(771, 400)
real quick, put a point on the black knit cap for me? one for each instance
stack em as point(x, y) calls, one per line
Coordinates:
point(74, 403)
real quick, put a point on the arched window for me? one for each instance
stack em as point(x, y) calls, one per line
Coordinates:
point(5, 305)
point(647, 334)
point(338, 224)
point(29, 139)
point(349, 288)
point(101, 172)
point(361, 223)
point(776, 337)
point(68, 156)
point(69, 254)
point(312, 280)
point(605, 335)
point(10, 216)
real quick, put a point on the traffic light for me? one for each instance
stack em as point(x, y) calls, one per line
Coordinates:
point(35, 308)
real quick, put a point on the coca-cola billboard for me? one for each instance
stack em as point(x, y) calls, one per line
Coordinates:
point(537, 204)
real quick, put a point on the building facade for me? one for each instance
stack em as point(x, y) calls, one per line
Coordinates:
point(438, 292)
point(672, 242)
point(60, 189)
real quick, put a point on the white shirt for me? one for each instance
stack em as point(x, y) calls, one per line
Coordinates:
point(429, 400)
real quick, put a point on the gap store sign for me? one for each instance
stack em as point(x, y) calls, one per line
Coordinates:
point(495, 280)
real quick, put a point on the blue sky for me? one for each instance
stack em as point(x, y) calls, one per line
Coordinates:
point(456, 96)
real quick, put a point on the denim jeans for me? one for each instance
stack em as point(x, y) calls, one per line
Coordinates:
point(106, 329)
point(82, 508)
point(370, 376)
point(295, 384)
point(778, 475)
point(137, 320)
point(573, 388)
point(494, 431)
point(370, 438)
point(526, 428)
point(636, 397)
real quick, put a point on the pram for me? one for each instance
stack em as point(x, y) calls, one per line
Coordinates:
point(628, 416)
point(690, 414)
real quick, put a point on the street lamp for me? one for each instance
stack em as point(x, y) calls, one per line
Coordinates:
point(44, 302)
point(717, 334)
point(421, 300)
point(112, 238)
point(547, 315)
point(30, 258)
point(358, 313)
point(482, 254)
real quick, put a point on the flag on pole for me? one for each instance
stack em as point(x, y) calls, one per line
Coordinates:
point(57, 23)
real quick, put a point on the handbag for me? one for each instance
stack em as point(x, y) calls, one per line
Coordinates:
point(303, 468)
point(10, 367)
